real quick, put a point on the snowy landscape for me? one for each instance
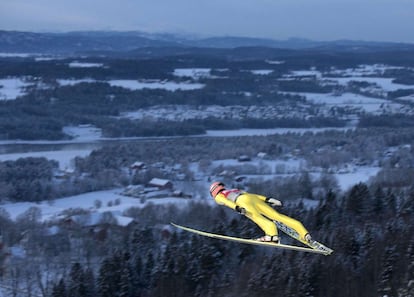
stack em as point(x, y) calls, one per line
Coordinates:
point(100, 152)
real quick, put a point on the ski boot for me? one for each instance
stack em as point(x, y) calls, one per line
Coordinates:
point(267, 238)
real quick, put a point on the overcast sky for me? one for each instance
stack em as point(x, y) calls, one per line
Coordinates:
point(371, 20)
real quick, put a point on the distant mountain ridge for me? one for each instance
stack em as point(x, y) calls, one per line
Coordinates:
point(87, 41)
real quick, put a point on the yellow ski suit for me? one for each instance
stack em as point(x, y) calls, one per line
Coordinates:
point(259, 211)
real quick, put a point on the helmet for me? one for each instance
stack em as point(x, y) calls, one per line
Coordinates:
point(216, 188)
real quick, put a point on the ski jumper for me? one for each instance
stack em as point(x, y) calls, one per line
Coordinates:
point(258, 211)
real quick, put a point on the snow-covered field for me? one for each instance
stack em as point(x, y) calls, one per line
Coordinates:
point(193, 72)
point(264, 132)
point(11, 88)
point(157, 84)
point(360, 174)
point(76, 64)
point(52, 210)
point(367, 104)
point(134, 85)
point(384, 83)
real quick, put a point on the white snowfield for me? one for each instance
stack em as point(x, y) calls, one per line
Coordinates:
point(51, 211)
point(11, 88)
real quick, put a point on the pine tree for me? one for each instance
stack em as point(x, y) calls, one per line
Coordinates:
point(358, 199)
point(369, 262)
point(148, 272)
point(407, 288)
point(125, 286)
point(89, 279)
point(407, 207)
point(137, 275)
point(325, 213)
point(106, 281)
point(77, 287)
point(256, 286)
point(386, 284)
point(378, 202)
point(59, 289)
point(305, 185)
point(390, 204)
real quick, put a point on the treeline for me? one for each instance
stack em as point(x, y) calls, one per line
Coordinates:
point(369, 229)
point(389, 121)
point(27, 179)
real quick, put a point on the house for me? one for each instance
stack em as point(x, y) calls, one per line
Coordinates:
point(161, 184)
point(138, 165)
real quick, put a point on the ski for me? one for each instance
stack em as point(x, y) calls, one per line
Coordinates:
point(313, 244)
point(252, 241)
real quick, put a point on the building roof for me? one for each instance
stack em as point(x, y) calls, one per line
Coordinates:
point(159, 182)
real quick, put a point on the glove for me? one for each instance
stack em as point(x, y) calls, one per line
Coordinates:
point(240, 210)
point(273, 202)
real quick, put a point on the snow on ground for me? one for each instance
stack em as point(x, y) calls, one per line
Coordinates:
point(72, 82)
point(364, 70)
point(193, 72)
point(361, 174)
point(261, 71)
point(51, 210)
point(275, 62)
point(292, 165)
point(368, 104)
point(409, 98)
point(15, 55)
point(299, 73)
point(83, 132)
point(137, 84)
point(264, 132)
point(154, 84)
point(289, 167)
point(384, 83)
point(11, 88)
point(362, 73)
point(76, 64)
